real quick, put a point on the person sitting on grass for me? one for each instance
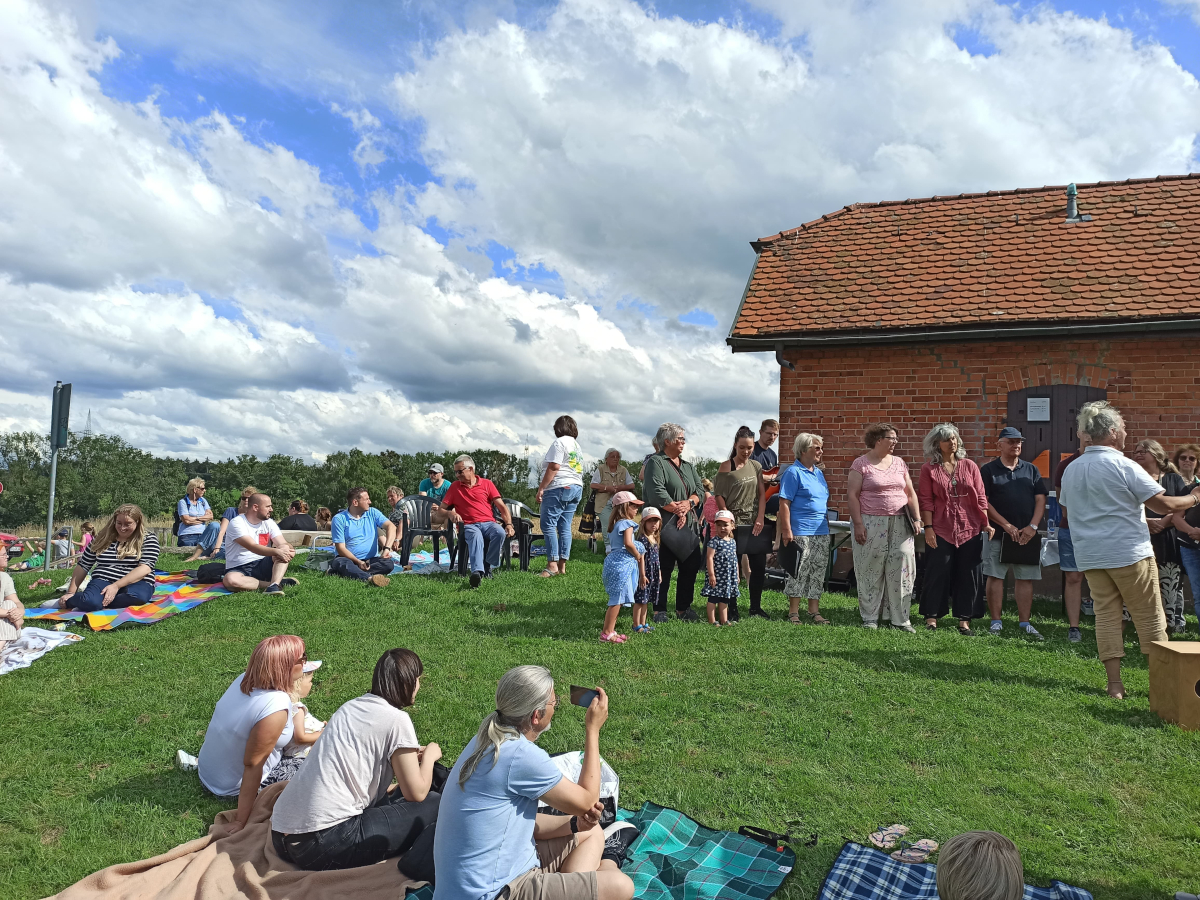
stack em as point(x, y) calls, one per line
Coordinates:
point(980, 865)
point(305, 728)
point(469, 503)
point(491, 841)
point(121, 561)
point(356, 540)
point(338, 812)
point(12, 611)
point(323, 518)
point(231, 513)
point(36, 558)
point(256, 555)
point(251, 724)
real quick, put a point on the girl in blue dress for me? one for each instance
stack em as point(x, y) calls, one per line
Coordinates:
point(624, 570)
point(647, 596)
point(721, 587)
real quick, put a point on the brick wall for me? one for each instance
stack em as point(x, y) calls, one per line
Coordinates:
point(838, 391)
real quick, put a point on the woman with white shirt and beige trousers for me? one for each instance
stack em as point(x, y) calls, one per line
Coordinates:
point(1107, 495)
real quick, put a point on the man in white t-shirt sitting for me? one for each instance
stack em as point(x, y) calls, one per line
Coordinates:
point(256, 555)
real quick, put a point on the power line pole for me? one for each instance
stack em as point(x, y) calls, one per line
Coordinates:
point(60, 413)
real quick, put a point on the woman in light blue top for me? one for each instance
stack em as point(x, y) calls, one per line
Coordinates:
point(804, 528)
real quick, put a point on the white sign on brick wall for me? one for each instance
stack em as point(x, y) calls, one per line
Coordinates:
point(1037, 409)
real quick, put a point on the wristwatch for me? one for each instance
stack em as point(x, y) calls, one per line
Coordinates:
point(574, 824)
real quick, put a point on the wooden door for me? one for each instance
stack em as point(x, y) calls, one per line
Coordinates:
point(1050, 434)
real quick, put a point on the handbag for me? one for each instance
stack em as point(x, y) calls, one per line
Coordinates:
point(755, 544)
point(1012, 553)
point(681, 542)
point(587, 521)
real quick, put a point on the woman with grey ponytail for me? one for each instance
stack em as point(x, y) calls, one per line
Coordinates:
point(521, 692)
point(490, 838)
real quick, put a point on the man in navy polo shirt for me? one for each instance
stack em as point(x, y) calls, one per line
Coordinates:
point(355, 533)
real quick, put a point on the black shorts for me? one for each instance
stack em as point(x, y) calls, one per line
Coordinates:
point(260, 569)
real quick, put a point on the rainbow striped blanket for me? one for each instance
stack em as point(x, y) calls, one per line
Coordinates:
point(173, 594)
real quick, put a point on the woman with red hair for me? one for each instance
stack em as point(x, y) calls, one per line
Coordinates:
point(252, 723)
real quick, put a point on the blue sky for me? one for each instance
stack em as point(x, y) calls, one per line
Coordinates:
point(416, 225)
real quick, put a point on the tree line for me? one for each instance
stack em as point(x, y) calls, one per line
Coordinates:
point(99, 472)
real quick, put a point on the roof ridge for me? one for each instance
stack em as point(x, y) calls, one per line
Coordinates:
point(942, 198)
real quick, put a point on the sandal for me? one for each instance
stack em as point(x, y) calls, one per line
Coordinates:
point(818, 619)
point(964, 629)
point(613, 638)
point(886, 836)
point(915, 853)
point(794, 618)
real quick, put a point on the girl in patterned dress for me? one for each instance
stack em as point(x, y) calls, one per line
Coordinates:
point(646, 596)
point(721, 588)
point(624, 570)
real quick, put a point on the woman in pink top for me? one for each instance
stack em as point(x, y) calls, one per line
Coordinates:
point(954, 505)
point(886, 516)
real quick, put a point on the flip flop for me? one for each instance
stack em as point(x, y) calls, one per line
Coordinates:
point(886, 836)
point(915, 853)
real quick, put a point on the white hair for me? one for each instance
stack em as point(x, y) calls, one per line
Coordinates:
point(465, 460)
point(521, 692)
point(805, 442)
point(667, 431)
point(1099, 419)
point(612, 450)
point(933, 442)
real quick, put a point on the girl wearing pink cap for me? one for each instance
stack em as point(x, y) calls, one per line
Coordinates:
point(647, 596)
point(624, 567)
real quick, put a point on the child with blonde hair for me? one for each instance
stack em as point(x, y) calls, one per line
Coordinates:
point(647, 595)
point(721, 587)
point(624, 567)
point(980, 865)
point(306, 727)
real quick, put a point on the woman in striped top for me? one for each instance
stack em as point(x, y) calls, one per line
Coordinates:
point(124, 555)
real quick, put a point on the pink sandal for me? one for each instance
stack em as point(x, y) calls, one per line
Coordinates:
point(613, 638)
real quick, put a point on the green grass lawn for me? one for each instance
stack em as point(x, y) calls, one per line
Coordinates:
point(833, 730)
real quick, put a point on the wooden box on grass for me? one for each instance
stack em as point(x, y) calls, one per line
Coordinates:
point(1175, 682)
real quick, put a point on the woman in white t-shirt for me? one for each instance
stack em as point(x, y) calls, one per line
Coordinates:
point(252, 723)
point(559, 493)
point(338, 812)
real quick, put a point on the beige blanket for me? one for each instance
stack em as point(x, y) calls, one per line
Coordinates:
point(245, 864)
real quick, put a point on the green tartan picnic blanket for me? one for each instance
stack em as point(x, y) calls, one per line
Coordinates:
point(676, 857)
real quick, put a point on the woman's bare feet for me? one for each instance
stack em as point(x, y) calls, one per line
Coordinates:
point(1116, 690)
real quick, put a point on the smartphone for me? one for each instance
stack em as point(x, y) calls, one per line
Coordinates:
point(582, 696)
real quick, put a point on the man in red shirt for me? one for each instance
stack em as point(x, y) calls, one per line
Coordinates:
point(469, 504)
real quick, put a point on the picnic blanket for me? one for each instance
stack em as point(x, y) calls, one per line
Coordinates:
point(220, 866)
point(31, 644)
point(863, 873)
point(423, 563)
point(676, 858)
point(173, 594)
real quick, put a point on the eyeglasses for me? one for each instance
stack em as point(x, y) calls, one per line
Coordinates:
point(459, 471)
point(1187, 459)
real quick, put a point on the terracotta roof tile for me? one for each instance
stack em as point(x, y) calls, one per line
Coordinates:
point(952, 260)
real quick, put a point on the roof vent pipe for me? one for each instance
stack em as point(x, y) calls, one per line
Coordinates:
point(1072, 208)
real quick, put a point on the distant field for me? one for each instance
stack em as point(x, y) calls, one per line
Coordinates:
point(835, 729)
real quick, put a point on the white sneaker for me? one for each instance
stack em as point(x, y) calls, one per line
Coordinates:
point(997, 627)
point(186, 762)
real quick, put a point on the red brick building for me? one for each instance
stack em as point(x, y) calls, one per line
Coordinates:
point(967, 308)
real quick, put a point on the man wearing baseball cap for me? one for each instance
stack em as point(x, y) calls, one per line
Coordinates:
point(435, 486)
point(1016, 501)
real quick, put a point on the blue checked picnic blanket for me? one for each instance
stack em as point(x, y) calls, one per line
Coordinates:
point(862, 873)
point(676, 858)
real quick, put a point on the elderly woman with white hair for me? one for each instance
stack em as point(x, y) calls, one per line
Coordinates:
point(954, 507)
point(804, 528)
point(673, 486)
point(1107, 496)
point(609, 478)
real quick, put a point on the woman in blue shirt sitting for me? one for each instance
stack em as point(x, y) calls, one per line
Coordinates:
point(804, 528)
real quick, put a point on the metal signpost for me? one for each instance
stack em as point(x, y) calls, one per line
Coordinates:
point(59, 414)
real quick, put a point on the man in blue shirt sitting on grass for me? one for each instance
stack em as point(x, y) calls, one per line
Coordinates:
point(355, 533)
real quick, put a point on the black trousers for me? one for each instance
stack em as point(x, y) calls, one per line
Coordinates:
point(952, 579)
point(685, 586)
point(379, 832)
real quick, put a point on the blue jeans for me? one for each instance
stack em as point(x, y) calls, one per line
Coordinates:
point(558, 517)
point(205, 540)
point(91, 600)
point(1190, 557)
point(378, 566)
point(484, 540)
